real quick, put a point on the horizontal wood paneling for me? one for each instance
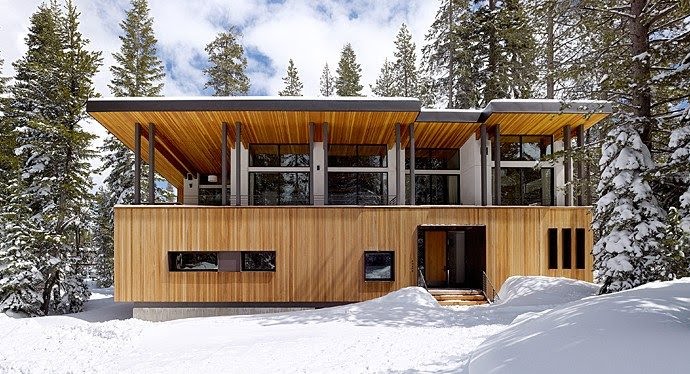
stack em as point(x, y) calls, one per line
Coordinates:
point(319, 249)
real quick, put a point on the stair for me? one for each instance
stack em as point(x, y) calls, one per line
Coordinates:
point(465, 297)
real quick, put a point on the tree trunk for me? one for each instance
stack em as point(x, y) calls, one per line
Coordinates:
point(642, 98)
point(549, 49)
point(491, 89)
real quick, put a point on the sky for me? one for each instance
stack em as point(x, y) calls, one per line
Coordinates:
point(311, 32)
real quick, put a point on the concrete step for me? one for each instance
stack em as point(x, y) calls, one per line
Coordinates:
point(460, 297)
point(443, 291)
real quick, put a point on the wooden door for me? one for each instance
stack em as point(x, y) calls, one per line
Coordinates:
point(435, 258)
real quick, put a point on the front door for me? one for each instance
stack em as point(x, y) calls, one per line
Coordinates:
point(435, 258)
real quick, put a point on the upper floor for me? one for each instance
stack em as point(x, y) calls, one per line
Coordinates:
point(353, 151)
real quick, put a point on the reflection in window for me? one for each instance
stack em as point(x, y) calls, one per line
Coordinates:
point(379, 266)
point(193, 261)
point(259, 261)
point(357, 188)
point(527, 186)
point(434, 159)
point(283, 155)
point(434, 189)
point(210, 196)
point(279, 188)
point(364, 156)
point(525, 148)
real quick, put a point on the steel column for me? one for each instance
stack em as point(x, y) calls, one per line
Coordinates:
point(581, 166)
point(567, 166)
point(152, 163)
point(311, 163)
point(324, 131)
point(483, 149)
point(137, 163)
point(497, 164)
point(399, 197)
point(413, 187)
point(224, 166)
point(238, 164)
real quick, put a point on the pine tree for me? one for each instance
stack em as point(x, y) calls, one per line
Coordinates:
point(293, 85)
point(53, 82)
point(349, 73)
point(676, 243)
point(137, 70)
point(679, 167)
point(7, 135)
point(385, 83)
point(326, 84)
point(627, 220)
point(226, 74)
point(102, 238)
point(405, 65)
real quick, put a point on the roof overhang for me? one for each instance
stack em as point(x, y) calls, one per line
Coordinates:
point(446, 128)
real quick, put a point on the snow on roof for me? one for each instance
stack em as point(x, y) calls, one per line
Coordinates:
point(546, 106)
point(449, 115)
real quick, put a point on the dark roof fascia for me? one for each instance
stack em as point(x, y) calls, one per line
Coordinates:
point(546, 106)
point(137, 104)
point(450, 115)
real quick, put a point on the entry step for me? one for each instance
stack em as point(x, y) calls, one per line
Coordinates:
point(458, 297)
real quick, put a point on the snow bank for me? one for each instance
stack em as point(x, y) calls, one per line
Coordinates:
point(643, 330)
point(539, 290)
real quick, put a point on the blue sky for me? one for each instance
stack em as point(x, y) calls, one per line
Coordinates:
point(311, 32)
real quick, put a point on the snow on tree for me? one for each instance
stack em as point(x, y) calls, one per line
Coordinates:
point(293, 85)
point(405, 65)
point(52, 85)
point(348, 73)
point(226, 73)
point(627, 218)
point(102, 239)
point(676, 243)
point(385, 83)
point(680, 164)
point(326, 82)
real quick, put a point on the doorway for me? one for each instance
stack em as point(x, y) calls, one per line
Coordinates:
point(452, 256)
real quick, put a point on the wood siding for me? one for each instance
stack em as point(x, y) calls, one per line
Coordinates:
point(320, 250)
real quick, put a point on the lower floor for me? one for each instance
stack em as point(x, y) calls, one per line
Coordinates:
point(318, 255)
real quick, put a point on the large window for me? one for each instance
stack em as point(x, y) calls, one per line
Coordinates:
point(434, 189)
point(434, 159)
point(363, 156)
point(525, 147)
point(379, 266)
point(527, 186)
point(225, 261)
point(283, 155)
point(279, 188)
point(357, 188)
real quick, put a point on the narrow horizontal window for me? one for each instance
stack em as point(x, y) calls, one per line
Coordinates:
point(193, 261)
point(259, 261)
point(379, 265)
point(553, 248)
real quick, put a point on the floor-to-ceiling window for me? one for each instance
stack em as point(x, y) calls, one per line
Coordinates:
point(437, 176)
point(357, 174)
point(524, 180)
point(279, 174)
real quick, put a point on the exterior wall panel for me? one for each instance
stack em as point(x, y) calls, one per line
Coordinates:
point(319, 250)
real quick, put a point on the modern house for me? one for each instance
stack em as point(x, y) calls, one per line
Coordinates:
point(307, 202)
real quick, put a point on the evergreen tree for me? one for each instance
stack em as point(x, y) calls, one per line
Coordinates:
point(679, 167)
point(226, 74)
point(405, 65)
point(676, 243)
point(102, 238)
point(385, 83)
point(137, 70)
point(627, 220)
point(349, 73)
point(326, 84)
point(53, 82)
point(7, 135)
point(293, 85)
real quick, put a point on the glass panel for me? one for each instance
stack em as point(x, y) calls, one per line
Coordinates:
point(378, 266)
point(193, 261)
point(357, 188)
point(263, 155)
point(210, 196)
point(259, 261)
point(435, 159)
point(534, 148)
point(372, 156)
point(342, 155)
point(294, 155)
point(279, 188)
point(553, 248)
point(511, 188)
point(510, 148)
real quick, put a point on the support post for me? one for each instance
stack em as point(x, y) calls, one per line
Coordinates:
point(224, 167)
point(581, 166)
point(497, 164)
point(483, 149)
point(152, 163)
point(137, 163)
point(399, 196)
point(311, 163)
point(567, 166)
point(325, 162)
point(238, 164)
point(413, 187)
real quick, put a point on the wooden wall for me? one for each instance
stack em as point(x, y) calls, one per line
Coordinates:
point(319, 250)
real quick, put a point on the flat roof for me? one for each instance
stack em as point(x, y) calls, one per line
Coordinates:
point(253, 104)
point(546, 106)
point(449, 115)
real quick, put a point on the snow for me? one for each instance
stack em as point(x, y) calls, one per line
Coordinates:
point(404, 331)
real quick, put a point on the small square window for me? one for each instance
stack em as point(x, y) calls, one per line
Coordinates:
point(379, 265)
point(259, 261)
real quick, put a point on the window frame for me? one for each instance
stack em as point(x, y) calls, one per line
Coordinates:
point(279, 155)
point(392, 260)
point(244, 269)
point(521, 143)
point(357, 164)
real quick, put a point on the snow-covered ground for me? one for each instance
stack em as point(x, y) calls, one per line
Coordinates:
point(541, 325)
